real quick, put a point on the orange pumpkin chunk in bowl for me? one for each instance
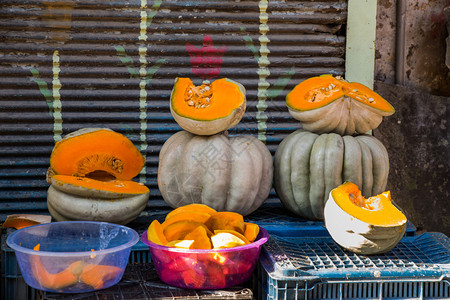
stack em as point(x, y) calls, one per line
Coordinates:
point(155, 233)
point(233, 232)
point(227, 220)
point(178, 230)
point(200, 217)
point(251, 231)
point(226, 240)
point(200, 237)
point(194, 207)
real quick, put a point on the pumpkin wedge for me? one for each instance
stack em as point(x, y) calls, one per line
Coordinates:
point(91, 172)
point(363, 225)
point(209, 108)
point(326, 104)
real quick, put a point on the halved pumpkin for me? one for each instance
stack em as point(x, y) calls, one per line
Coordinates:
point(94, 152)
point(209, 108)
point(326, 104)
point(81, 198)
point(91, 172)
point(365, 226)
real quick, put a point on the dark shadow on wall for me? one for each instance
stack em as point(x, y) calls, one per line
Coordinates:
point(417, 140)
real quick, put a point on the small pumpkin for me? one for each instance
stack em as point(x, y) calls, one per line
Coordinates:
point(326, 104)
point(209, 108)
point(91, 172)
point(224, 173)
point(307, 166)
point(365, 226)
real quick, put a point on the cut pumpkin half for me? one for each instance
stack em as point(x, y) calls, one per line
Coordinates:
point(326, 104)
point(209, 108)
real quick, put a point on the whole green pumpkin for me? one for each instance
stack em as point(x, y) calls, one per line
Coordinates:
point(307, 166)
point(225, 173)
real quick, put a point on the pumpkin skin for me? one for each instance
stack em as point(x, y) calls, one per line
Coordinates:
point(307, 166)
point(207, 109)
point(224, 173)
point(90, 178)
point(326, 104)
point(116, 202)
point(364, 226)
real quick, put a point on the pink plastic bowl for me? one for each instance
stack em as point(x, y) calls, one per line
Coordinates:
point(206, 269)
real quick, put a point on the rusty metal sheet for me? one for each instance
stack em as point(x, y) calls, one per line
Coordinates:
point(70, 64)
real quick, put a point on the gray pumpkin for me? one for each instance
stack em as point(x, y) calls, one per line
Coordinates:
point(307, 166)
point(225, 173)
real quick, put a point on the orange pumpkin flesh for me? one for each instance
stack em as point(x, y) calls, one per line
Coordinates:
point(94, 151)
point(320, 91)
point(55, 281)
point(206, 102)
point(205, 228)
point(93, 275)
point(194, 207)
point(114, 186)
point(376, 210)
point(20, 221)
point(155, 233)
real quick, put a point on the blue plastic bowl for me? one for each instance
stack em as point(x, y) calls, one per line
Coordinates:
point(74, 256)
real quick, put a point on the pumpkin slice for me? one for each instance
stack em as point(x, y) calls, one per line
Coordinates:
point(56, 281)
point(209, 108)
point(188, 216)
point(97, 275)
point(155, 233)
point(251, 231)
point(200, 237)
point(184, 244)
point(96, 152)
point(226, 240)
point(19, 221)
point(194, 207)
point(87, 187)
point(326, 104)
point(178, 230)
point(237, 234)
point(227, 220)
point(365, 226)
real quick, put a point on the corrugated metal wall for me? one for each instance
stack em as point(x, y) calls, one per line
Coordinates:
point(70, 64)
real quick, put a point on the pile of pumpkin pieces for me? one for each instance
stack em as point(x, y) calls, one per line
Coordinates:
point(198, 226)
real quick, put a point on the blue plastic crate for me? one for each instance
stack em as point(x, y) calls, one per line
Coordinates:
point(318, 268)
point(276, 219)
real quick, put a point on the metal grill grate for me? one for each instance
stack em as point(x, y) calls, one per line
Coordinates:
point(425, 254)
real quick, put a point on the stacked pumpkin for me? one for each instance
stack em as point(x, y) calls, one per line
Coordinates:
point(91, 172)
point(327, 169)
point(202, 164)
